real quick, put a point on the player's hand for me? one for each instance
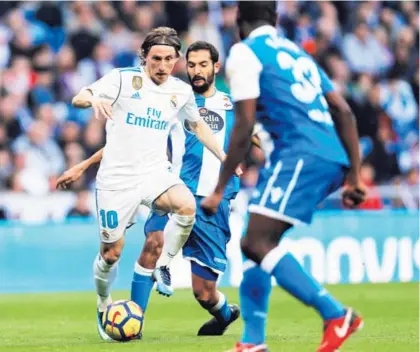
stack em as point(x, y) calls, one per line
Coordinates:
point(70, 176)
point(354, 191)
point(211, 203)
point(102, 108)
point(238, 171)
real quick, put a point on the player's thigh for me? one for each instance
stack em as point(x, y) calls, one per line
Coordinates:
point(116, 211)
point(176, 199)
point(155, 223)
point(207, 242)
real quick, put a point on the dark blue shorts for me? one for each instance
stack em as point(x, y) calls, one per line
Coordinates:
point(290, 189)
point(207, 243)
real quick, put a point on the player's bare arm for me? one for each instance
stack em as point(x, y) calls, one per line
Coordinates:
point(205, 135)
point(354, 191)
point(102, 107)
point(238, 147)
point(73, 174)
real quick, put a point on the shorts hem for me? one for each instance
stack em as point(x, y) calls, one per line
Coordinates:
point(270, 213)
point(192, 259)
point(111, 241)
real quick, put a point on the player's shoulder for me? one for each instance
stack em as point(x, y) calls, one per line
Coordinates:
point(221, 100)
point(134, 69)
point(179, 86)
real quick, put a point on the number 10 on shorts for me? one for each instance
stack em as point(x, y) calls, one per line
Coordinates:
point(109, 219)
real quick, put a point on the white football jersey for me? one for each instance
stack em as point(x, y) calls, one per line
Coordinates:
point(142, 114)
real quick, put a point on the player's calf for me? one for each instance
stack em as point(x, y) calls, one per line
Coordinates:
point(142, 283)
point(215, 302)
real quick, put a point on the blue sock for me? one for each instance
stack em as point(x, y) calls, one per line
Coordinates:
point(254, 294)
point(141, 286)
point(221, 310)
point(291, 276)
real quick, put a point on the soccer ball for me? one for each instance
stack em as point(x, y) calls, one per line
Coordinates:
point(123, 320)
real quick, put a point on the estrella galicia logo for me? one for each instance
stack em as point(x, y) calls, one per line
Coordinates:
point(213, 119)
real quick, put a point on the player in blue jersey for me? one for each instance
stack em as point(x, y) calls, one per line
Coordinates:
point(309, 154)
point(206, 246)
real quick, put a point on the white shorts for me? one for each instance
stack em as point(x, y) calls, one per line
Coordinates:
point(116, 210)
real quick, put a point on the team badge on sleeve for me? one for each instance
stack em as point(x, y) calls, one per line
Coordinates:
point(137, 82)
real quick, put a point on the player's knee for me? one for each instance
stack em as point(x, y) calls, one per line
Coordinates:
point(111, 254)
point(205, 293)
point(205, 298)
point(187, 209)
point(186, 221)
point(253, 250)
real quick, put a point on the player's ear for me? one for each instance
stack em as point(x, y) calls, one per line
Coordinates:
point(217, 67)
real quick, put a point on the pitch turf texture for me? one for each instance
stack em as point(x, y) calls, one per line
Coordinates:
point(66, 322)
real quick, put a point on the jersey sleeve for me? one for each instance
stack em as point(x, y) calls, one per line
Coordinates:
point(327, 85)
point(108, 86)
point(190, 111)
point(243, 70)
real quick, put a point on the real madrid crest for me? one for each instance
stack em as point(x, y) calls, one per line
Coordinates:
point(137, 82)
point(174, 101)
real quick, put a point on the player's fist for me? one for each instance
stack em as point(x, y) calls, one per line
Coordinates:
point(211, 203)
point(70, 176)
point(354, 191)
point(102, 108)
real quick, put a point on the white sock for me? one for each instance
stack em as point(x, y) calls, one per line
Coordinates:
point(104, 275)
point(176, 233)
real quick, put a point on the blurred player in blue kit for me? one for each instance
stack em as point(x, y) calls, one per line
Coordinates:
point(311, 149)
point(199, 169)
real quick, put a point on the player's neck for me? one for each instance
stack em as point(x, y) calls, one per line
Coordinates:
point(209, 92)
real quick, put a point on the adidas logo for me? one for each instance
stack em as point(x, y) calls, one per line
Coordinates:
point(136, 95)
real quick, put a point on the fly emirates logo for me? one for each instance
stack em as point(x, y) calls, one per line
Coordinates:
point(152, 120)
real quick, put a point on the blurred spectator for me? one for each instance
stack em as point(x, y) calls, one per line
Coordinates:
point(40, 159)
point(91, 69)
point(6, 168)
point(363, 51)
point(202, 29)
point(81, 208)
point(374, 201)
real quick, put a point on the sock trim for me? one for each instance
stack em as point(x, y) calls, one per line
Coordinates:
point(271, 259)
point(248, 264)
point(222, 301)
point(103, 266)
point(138, 269)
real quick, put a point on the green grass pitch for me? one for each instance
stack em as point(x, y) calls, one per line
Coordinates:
point(66, 322)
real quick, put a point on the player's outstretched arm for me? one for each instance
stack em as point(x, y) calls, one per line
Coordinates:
point(74, 173)
point(101, 107)
point(345, 124)
point(238, 147)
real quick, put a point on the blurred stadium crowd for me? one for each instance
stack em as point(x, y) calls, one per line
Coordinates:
point(49, 50)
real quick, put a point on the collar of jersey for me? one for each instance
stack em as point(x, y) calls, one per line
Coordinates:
point(148, 79)
point(263, 30)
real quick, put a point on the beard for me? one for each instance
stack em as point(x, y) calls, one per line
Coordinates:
point(205, 86)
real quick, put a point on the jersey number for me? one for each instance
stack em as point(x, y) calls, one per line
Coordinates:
point(109, 219)
point(307, 86)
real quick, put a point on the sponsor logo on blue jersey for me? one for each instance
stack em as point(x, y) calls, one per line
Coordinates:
point(212, 118)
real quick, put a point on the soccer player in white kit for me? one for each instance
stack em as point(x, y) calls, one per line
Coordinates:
point(140, 105)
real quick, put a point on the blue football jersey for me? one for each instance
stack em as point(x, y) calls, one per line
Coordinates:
point(196, 165)
point(290, 88)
